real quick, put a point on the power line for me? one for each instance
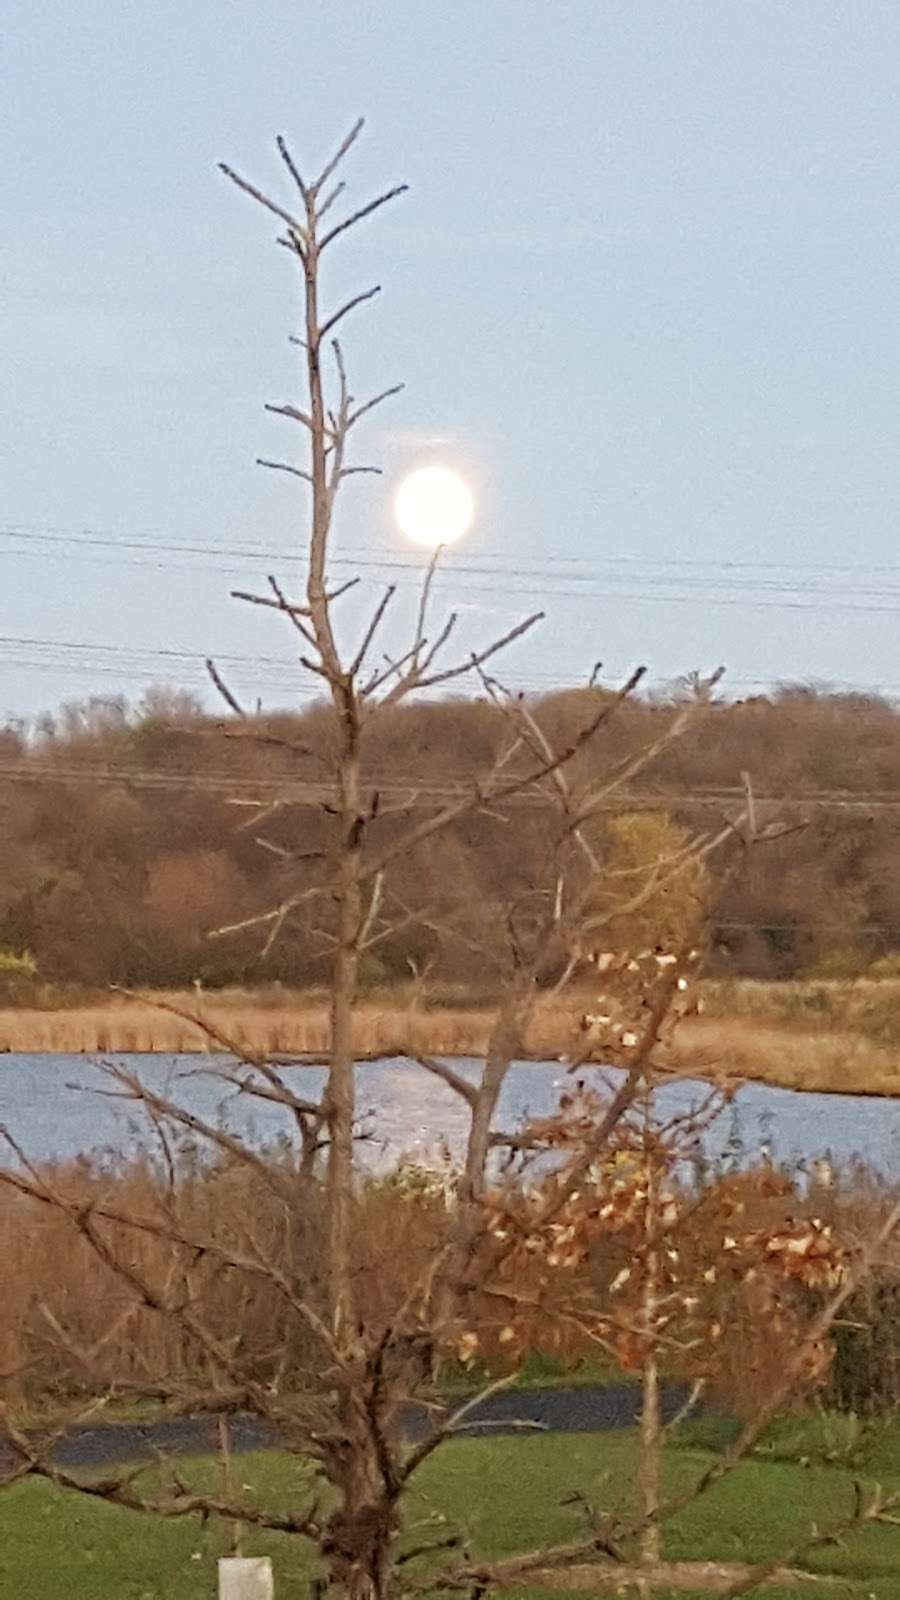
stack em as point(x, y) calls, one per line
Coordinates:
point(819, 927)
point(594, 573)
point(548, 558)
point(101, 656)
point(106, 649)
point(763, 593)
point(421, 791)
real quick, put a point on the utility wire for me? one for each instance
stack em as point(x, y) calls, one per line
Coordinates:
point(546, 559)
point(417, 791)
point(104, 656)
point(763, 593)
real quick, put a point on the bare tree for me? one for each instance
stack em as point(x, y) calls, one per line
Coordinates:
point(347, 1353)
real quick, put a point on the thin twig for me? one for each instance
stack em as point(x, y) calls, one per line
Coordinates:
point(349, 305)
point(377, 400)
point(364, 211)
point(291, 165)
point(224, 691)
point(372, 629)
point(284, 466)
point(294, 225)
point(339, 155)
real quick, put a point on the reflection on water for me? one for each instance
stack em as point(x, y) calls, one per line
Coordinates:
point(48, 1104)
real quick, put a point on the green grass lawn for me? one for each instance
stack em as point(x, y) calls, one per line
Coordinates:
point(504, 1493)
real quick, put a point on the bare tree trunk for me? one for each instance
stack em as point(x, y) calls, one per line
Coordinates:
point(341, 1091)
point(365, 1514)
point(505, 1040)
point(362, 1529)
point(648, 1476)
point(651, 1428)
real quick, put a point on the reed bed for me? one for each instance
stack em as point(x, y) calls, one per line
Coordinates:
point(813, 1036)
point(73, 1328)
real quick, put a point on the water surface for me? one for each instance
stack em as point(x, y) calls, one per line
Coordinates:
point(51, 1105)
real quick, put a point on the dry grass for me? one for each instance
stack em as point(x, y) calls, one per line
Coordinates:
point(297, 1025)
point(73, 1327)
point(863, 1006)
point(59, 1298)
point(764, 1052)
point(837, 1038)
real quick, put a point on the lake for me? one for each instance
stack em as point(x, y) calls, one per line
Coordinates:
point(49, 1105)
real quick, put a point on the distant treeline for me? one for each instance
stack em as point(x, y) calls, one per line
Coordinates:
point(130, 832)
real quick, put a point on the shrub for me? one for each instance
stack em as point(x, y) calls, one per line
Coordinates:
point(18, 977)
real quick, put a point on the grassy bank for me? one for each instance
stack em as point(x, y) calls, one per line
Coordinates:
point(507, 1495)
point(839, 1037)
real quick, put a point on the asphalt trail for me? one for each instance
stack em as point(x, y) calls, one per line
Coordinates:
point(574, 1409)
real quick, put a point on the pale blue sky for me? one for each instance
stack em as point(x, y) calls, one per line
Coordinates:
point(643, 290)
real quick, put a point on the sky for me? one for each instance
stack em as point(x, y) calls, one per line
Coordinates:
point(642, 293)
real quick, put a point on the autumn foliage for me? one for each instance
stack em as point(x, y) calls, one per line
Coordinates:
point(123, 845)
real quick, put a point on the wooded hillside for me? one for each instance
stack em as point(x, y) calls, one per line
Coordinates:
point(130, 832)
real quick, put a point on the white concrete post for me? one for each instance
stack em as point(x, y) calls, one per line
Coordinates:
point(246, 1578)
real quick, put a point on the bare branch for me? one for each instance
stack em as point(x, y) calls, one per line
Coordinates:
point(210, 1029)
point(278, 922)
point(695, 1394)
point(491, 789)
point(452, 1424)
point(417, 675)
point(119, 1491)
point(434, 650)
point(224, 690)
point(372, 911)
point(384, 675)
point(364, 211)
point(481, 656)
point(391, 929)
point(290, 856)
point(440, 1069)
point(386, 394)
point(291, 165)
point(294, 614)
point(329, 200)
point(535, 735)
point(133, 1089)
point(750, 804)
point(262, 918)
point(328, 673)
point(284, 466)
point(293, 609)
point(419, 638)
point(295, 243)
point(166, 1230)
point(295, 226)
point(372, 629)
point(339, 155)
point(633, 765)
point(350, 583)
point(294, 414)
point(349, 306)
point(413, 656)
point(275, 1091)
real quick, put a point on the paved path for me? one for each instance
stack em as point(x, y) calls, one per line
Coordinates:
point(573, 1409)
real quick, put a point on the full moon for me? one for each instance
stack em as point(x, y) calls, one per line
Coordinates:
point(434, 506)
